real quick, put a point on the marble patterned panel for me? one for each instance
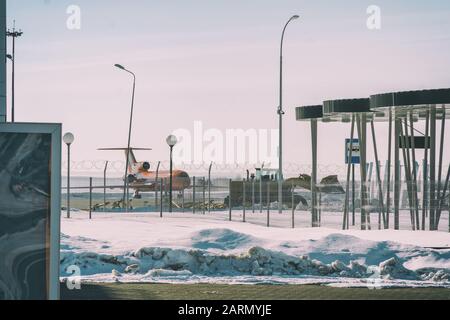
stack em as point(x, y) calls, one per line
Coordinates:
point(25, 166)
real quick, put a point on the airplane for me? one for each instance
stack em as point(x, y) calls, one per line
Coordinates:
point(141, 179)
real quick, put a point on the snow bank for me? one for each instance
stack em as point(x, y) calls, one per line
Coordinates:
point(138, 248)
point(150, 262)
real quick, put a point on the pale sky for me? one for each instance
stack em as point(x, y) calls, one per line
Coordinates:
point(216, 61)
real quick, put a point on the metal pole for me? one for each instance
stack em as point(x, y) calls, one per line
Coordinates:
point(349, 165)
point(441, 154)
point(104, 186)
point(204, 195)
point(161, 196)
point(14, 34)
point(293, 205)
point(388, 169)
point(363, 173)
point(268, 203)
point(182, 200)
point(320, 210)
point(68, 181)
point(209, 187)
point(260, 195)
point(253, 196)
point(364, 152)
point(3, 67)
point(244, 193)
point(171, 180)
point(13, 84)
point(90, 198)
point(378, 171)
point(397, 175)
point(444, 192)
point(193, 195)
point(314, 218)
point(129, 137)
point(229, 200)
point(414, 186)
point(406, 162)
point(353, 196)
point(157, 184)
point(425, 171)
point(432, 167)
point(280, 114)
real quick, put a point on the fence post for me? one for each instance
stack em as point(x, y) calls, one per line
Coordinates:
point(253, 195)
point(161, 198)
point(268, 203)
point(209, 187)
point(90, 198)
point(193, 195)
point(104, 186)
point(243, 200)
point(260, 195)
point(182, 201)
point(293, 206)
point(229, 200)
point(204, 196)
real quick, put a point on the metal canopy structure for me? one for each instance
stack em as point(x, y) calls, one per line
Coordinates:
point(415, 102)
point(404, 109)
point(312, 114)
point(412, 106)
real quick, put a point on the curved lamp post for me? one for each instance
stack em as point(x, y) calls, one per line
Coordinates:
point(125, 187)
point(68, 140)
point(171, 141)
point(280, 114)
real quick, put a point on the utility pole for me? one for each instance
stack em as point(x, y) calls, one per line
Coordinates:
point(13, 34)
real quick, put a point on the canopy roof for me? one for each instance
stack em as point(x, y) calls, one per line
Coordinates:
point(417, 103)
point(309, 112)
point(378, 107)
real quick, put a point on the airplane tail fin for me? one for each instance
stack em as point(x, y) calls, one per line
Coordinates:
point(131, 157)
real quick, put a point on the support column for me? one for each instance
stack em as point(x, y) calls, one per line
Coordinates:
point(378, 172)
point(440, 166)
point(314, 216)
point(349, 166)
point(397, 182)
point(425, 202)
point(361, 126)
point(406, 162)
point(414, 172)
point(432, 167)
point(388, 168)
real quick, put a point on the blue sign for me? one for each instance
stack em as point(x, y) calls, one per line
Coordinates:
point(356, 153)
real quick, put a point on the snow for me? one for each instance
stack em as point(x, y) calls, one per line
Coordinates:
point(200, 248)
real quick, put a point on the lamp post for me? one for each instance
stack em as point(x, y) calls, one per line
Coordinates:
point(125, 187)
point(68, 140)
point(280, 114)
point(171, 141)
point(13, 34)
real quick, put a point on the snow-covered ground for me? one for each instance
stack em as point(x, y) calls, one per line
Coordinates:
point(208, 248)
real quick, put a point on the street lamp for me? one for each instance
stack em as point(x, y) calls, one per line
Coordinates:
point(171, 141)
point(68, 140)
point(125, 187)
point(13, 34)
point(280, 114)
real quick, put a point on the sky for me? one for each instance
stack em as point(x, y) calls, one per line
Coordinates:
point(217, 62)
